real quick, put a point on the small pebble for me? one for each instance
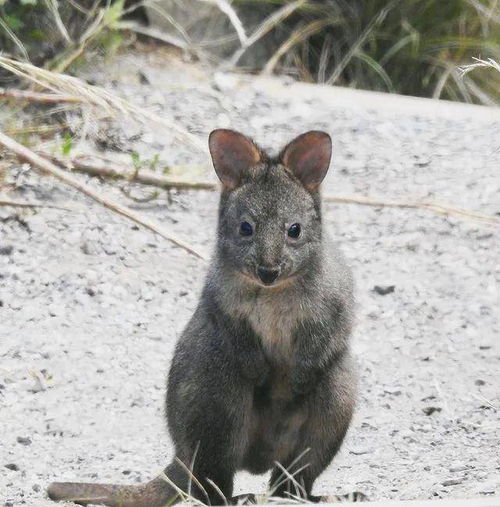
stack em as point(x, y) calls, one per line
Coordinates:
point(431, 410)
point(24, 440)
point(452, 482)
point(359, 450)
point(6, 249)
point(55, 309)
point(487, 491)
point(393, 390)
point(457, 467)
point(383, 290)
point(12, 466)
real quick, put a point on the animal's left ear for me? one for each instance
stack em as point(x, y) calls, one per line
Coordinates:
point(308, 157)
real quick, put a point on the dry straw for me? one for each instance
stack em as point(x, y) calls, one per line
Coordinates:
point(94, 96)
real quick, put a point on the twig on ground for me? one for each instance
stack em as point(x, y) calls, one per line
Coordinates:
point(24, 204)
point(150, 178)
point(47, 166)
point(47, 98)
point(141, 200)
point(436, 208)
point(143, 176)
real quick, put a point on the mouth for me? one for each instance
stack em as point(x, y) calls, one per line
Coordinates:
point(279, 283)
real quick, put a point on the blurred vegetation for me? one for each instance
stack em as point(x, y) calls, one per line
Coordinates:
point(413, 47)
point(56, 33)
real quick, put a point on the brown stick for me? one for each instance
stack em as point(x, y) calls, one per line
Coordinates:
point(143, 176)
point(47, 166)
point(436, 208)
point(151, 178)
point(47, 98)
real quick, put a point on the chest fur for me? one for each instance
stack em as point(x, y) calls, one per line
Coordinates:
point(273, 319)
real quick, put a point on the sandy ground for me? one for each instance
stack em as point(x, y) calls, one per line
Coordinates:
point(92, 305)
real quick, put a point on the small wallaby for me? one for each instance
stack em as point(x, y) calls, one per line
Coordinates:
point(262, 377)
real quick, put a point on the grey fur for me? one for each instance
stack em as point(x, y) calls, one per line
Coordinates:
point(261, 374)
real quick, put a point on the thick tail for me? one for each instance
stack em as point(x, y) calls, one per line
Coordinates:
point(156, 493)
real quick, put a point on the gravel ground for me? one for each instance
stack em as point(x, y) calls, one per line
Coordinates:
point(91, 305)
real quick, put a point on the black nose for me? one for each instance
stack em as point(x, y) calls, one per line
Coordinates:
point(268, 275)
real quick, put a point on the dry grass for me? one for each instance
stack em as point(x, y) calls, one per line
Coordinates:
point(101, 101)
point(411, 47)
point(415, 47)
point(288, 474)
point(481, 64)
point(264, 28)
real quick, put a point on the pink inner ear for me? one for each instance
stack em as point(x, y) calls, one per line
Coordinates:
point(232, 154)
point(308, 157)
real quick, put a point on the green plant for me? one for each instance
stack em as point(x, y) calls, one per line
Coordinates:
point(140, 163)
point(413, 47)
point(67, 144)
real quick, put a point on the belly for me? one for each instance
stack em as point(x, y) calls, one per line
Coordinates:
point(276, 422)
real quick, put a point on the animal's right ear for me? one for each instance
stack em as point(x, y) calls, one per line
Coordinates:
point(233, 154)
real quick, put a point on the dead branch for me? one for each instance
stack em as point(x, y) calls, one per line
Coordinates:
point(150, 178)
point(144, 176)
point(46, 98)
point(436, 208)
point(47, 166)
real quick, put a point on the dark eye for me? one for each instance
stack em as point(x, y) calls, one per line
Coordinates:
point(246, 229)
point(294, 231)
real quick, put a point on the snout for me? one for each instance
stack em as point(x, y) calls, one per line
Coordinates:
point(268, 275)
